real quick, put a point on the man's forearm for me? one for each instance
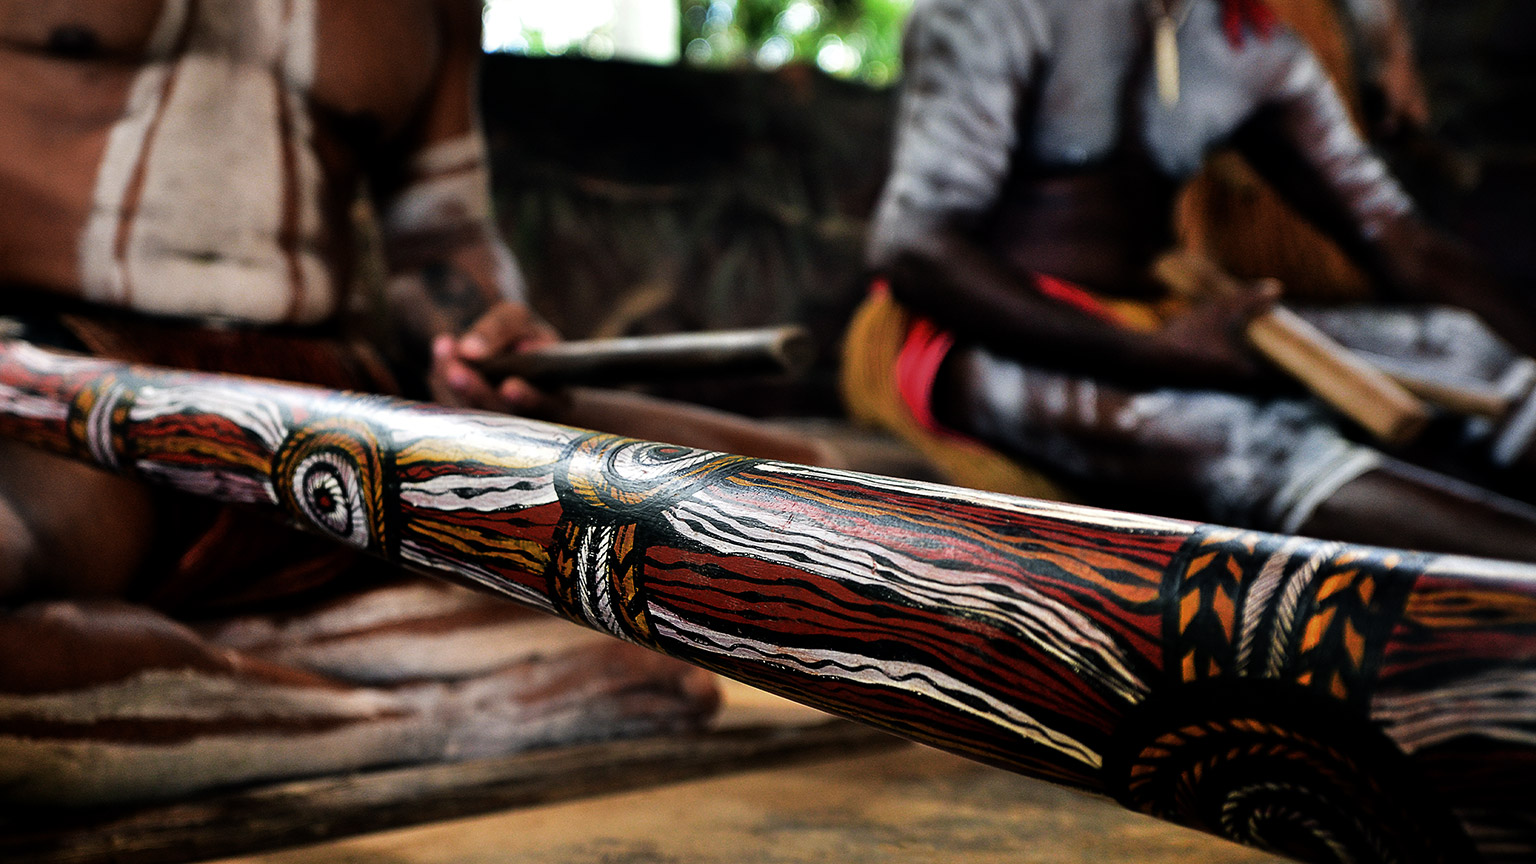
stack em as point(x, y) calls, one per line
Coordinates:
point(438, 298)
point(949, 279)
point(444, 288)
point(1422, 264)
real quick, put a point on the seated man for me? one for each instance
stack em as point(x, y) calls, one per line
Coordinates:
point(178, 179)
point(1039, 147)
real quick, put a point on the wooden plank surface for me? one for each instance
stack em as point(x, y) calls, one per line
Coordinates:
point(753, 730)
point(909, 805)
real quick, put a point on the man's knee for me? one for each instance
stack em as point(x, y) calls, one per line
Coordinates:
point(17, 547)
point(68, 529)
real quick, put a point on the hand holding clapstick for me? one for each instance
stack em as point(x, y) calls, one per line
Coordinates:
point(777, 351)
point(1451, 393)
point(1353, 387)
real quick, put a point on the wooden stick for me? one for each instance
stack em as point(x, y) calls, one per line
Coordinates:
point(1359, 391)
point(1348, 384)
point(782, 351)
point(1326, 701)
point(1458, 396)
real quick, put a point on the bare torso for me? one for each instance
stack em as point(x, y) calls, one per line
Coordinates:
point(198, 157)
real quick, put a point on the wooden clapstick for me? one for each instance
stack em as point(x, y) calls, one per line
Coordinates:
point(1453, 394)
point(1353, 387)
point(781, 351)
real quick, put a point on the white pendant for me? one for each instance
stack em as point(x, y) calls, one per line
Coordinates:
point(1165, 57)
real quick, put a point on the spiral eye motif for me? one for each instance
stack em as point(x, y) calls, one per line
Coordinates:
point(332, 475)
point(627, 478)
point(329, 494)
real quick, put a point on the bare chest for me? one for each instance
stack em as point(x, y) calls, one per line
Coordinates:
point(347, 57)
point(81, 30)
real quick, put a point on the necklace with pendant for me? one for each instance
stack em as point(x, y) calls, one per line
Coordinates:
point(1167, 17)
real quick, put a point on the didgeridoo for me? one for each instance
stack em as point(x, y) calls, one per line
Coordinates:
point(1327, 701)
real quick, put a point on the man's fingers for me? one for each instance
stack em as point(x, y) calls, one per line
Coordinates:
point(454, 383)
point(520, 397)
point(1266, 293)
point(1260, 296)
point(489, 335)
point(505, 327)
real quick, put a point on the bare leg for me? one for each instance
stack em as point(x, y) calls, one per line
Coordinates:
point(1402, 506)
point(17, 547)
point(1248, 455)
point(67, 529)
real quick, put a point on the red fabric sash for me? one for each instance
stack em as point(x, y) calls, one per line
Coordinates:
point(1239, 15)
point(927, 344)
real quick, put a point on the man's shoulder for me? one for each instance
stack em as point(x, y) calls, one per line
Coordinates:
point(982, 9)
point(1012, 22)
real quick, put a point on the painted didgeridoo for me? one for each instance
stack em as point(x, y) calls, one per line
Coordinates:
point(1330, 702)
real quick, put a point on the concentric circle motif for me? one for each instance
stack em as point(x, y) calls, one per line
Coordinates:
point(628, 479)
point(1260, 771)
point(330, 494)
point(331, 475)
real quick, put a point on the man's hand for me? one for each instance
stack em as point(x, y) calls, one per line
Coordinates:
point(1206, 341)
point(505, 327)
point(1406, 107)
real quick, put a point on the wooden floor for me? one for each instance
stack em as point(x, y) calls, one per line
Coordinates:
point(753, 729)
point(787, 785)
point(909, 805)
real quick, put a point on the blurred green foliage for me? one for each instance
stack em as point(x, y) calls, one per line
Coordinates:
point(851, 39)
point(859, 39)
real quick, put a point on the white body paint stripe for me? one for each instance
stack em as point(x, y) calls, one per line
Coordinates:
point(101, 274)
point(203, 132)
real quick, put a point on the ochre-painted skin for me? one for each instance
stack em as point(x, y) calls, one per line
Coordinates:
point(1331, 702)
point(198, 159)
point(75, 74)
